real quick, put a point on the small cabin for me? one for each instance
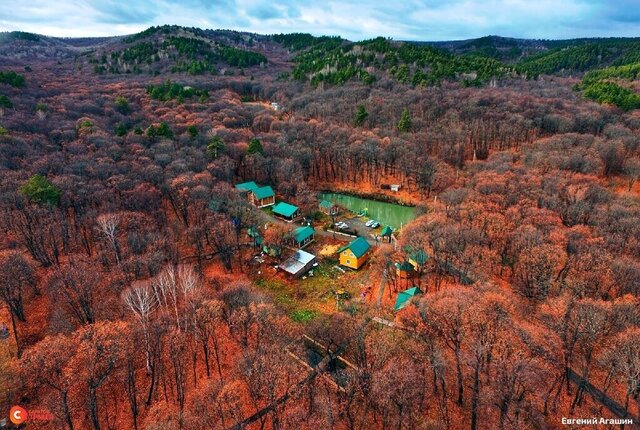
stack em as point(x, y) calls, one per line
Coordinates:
point(286, 211)
point(302, 236)
point(418, 259)
point(328, 208)
point(299, 263)
point(405, 270)
point(355, 254)
point(263, 196)
point(258, 196)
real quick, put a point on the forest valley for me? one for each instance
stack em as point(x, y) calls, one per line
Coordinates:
point(134, 298)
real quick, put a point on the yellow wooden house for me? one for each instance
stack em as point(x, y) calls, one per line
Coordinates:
point(355, 254)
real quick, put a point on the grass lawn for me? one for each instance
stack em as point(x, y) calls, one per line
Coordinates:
point(305, 299)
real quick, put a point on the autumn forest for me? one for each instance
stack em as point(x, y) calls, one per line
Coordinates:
point(180, 245)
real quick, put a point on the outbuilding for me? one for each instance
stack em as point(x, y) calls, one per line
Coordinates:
point(299, 263)
point(328, 208)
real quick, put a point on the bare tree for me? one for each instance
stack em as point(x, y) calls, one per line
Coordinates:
point(142, 301)
point(108, 225)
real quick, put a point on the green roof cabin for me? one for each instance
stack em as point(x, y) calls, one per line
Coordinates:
point(405, 297)
point(259, 196)
point(246, 186)
point(328, 208)
point(286, 211)
point(355, 254)
point(418, 259)
point(302, 236)
point(405, 270)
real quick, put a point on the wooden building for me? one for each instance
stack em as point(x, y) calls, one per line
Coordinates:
point(258, 196)
point(286, 211)
point(355, 254)
point(328, 208)
point(302, 236)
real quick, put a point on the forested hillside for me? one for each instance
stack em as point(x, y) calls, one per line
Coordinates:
point(144, 268)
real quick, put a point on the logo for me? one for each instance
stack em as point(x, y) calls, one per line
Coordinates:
point(18, 415)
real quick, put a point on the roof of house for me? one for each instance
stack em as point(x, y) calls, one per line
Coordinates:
point(386, 231)
point(404, 266)
point(326, 204)
point(285, 209)
point(302, 233)
point(297, 262)
point(358, 246)
point(404, 297)
point(263, 192)
point(247, 186)
point(419, 256)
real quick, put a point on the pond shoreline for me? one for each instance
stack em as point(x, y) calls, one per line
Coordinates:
point(379, 197)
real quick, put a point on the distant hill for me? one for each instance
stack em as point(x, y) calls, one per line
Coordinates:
point(537, 57)
point(330, 60)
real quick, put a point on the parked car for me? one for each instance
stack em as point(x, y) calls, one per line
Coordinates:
point(368, 223)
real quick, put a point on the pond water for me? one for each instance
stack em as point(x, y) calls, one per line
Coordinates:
point(385, 213)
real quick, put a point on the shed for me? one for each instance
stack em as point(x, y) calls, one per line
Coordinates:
point(328, 208)
point(405, 297)
point(299, 263)
point(386, 233)
point(286, 211)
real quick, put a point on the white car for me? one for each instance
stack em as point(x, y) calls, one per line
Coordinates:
point(375, 224)
point(368, 223)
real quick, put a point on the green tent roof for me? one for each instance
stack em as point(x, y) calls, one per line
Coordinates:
point(300, 234)
point(358, 246)
point(263, 192)
point(405, 296)
point(386, 231)
point(247, 186)
point(326, 204)
point(285, 209)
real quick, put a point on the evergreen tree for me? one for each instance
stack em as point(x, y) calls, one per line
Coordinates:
point(122, 105)
point(404, 124)
point(255, 147)
point(192, 130)
point(361, 116)
point(215, 146)
point(40, 190)
point(121, 129)
point(5, 102)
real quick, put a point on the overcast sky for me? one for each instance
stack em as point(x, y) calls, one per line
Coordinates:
point(352, 19)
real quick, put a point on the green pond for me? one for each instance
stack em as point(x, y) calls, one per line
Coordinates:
point(385, 213)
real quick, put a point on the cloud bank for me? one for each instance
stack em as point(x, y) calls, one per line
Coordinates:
point(352, 19)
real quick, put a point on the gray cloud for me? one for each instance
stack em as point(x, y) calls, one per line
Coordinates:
point(353, 19)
